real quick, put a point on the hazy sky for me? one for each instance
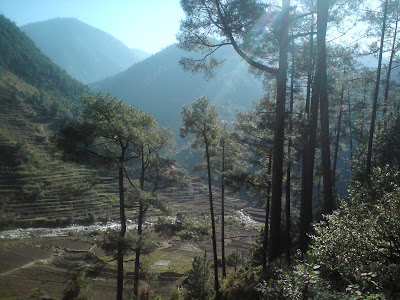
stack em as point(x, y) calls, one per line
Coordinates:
point(149, 25)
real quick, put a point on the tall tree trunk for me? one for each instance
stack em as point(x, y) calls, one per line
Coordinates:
point(392, 53)
point(309, 136)
point(310, 65)
point(138, 250)
point(322, 79)
point(267, 208)
point(289, 160)
point(213, 234)
point(279, 131)
point(223, 212)
point(306, 216)
point(339, 126)
point(139, 229)
point(120, 246)
point(351, 133)
point(376, 93)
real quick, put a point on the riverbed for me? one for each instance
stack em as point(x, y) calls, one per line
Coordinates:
point(20, 233)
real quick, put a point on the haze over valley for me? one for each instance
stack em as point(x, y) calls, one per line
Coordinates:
point(215, 149)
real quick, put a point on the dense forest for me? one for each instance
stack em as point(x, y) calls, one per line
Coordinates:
point(317, 154)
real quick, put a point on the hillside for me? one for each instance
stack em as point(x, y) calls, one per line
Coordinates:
point(36, 96)
point(20, 56)
point(86, 53)
point(36, 187)
point(159, 85)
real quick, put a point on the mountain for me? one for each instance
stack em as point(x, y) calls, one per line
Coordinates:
point(36, 97)
point(86, 53)
point(20, 56)
point(139, 54)
point(160, 86)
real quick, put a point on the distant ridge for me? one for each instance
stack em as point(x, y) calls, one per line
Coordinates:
point(20, 56)
point(85, 52)
point(160, 86)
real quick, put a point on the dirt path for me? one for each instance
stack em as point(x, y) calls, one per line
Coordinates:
point(30, 264)
point(46, 261)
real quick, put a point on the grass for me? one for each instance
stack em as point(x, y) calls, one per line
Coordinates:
point(179, 260)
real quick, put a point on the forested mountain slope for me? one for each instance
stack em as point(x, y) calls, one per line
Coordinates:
point(36, 96)
point(160, 86)
point(86, 53)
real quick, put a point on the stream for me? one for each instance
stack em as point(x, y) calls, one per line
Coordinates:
point(21, 233)
point(58, 231)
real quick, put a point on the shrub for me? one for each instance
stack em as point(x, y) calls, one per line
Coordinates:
point(199, 282)
point(31, 194)
point(146, 293)
point(185, 228)
point(234, 259)
point(359, 244)
point(242, 284)
point(6, 220)
point(78, 284)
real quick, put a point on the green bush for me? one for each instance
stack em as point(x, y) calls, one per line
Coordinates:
point(242, 284)
point(6, 220)
point(78, 285)
point(32, 193)
point(146, 293)
point(199, 282)
point(359, 244)
point(167, 227)
point(184, 227)
point(234, 259)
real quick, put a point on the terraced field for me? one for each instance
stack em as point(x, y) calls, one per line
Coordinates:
point(195, 201)
point(37, 188)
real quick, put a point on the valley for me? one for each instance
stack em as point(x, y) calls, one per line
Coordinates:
point(38, 189)
point(252, 154)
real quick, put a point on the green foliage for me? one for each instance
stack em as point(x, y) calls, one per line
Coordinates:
point(234, 259)
point(28, 156)
point(177, 294)
point(6, 220)
point(184, 227)
point(131, 241)
point(358, 244)
point(110, 131)
point(146, 293)
point(205, 29)
point(386, 151)
point(199, 282)
point(354, 253)
point(167, 227)
point(78, 283)
point(193, 230)
point(90, 219)
point(201, 121)
point(20, 55)
point(387, 141)
point(31, 193)
point(257, 255)
point(303, 281)
point(256, 135)
point(242, 284)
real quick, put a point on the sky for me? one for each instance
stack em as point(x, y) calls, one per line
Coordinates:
point(149, 25)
